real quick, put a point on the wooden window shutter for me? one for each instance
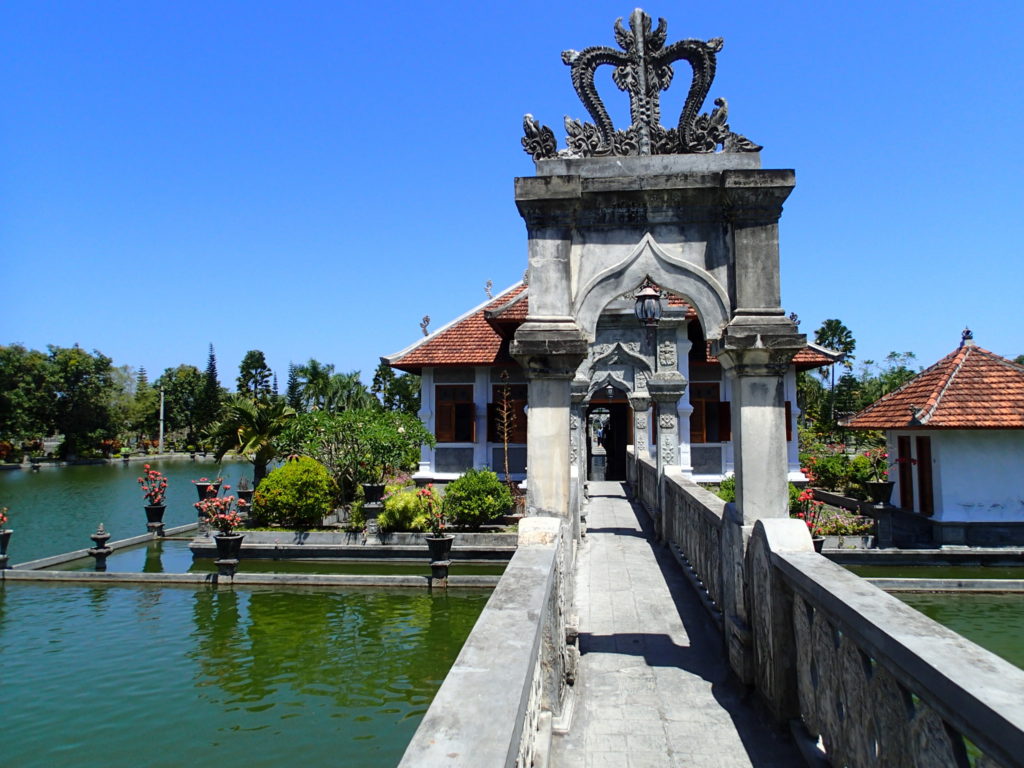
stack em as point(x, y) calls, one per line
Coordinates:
point(724, 421)
point(789, 422)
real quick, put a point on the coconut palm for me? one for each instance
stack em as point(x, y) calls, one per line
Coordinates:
point(248, 428)
point(835, 336)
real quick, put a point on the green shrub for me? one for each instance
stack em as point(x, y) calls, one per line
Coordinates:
point(476, 498)
point(403, 511)
point(298, 494)
point(727, 488)
point(831, 471)
point(794, 499)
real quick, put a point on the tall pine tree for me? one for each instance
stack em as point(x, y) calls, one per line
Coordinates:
point(209, 403)
point(293, 390)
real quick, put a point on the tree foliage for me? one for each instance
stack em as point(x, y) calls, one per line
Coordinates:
point(364, 445)
point(251, 427)
point(397, 391)
point(254, 375)
point(183, 390)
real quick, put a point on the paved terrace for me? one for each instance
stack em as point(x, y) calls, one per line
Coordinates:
point(654, 684)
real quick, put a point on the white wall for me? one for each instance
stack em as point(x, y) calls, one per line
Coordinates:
point(978, 475)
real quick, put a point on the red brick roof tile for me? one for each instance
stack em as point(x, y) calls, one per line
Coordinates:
point(970, 388)
point(468, 340)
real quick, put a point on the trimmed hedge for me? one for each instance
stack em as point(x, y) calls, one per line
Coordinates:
point(298, 494)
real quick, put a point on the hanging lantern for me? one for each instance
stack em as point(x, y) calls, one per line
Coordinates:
point(648, 304)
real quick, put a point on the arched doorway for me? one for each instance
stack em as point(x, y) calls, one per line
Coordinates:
point(609, 423)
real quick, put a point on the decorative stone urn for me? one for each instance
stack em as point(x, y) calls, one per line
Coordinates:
point(879, 492)
point(229, 545)
point(155, 515)
point(439, 546)
point(204, 488)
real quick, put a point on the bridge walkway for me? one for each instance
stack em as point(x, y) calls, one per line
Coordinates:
point(654, 687)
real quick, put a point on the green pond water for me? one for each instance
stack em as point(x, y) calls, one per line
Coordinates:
point(172, 676)
point(993, 621)
point(56, 509)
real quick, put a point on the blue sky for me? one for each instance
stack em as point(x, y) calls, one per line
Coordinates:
point(312, 178)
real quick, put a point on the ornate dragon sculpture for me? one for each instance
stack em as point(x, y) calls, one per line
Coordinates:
point(643, 71)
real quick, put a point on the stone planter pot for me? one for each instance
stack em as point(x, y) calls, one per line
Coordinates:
point(440, 547)
point(372, 492)
point(203, 488)
point(229, 545)
point(818, 542)
point(155, 513)
point(5, 538)
point(879, 493)
point(245, 496)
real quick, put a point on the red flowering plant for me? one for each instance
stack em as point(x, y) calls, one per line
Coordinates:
point(154, 486)
point(880, 465)
point(809, 510)
point(3, 517)
point(217, 510)
point(431, 506)
point(226, 522)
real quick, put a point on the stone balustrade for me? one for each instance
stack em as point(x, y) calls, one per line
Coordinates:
point(877, 681)
point(512, 680)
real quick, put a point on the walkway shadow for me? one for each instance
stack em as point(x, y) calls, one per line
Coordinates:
point(767, 745)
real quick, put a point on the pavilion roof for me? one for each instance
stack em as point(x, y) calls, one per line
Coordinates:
point(970, 388)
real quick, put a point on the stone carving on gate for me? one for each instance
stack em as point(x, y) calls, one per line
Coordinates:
point(668, 450)
point(667, 355)
point(643, 68)
point(666, 421)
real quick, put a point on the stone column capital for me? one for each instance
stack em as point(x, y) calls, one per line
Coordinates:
point(666, 386)
point(549, 349)
point(759, 345)
point(578, 390)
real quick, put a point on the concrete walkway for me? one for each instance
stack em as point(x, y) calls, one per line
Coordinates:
point(654, 686)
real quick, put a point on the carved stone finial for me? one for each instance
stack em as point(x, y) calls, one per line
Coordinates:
point(424, 323)
point(488, 288)
point(642, 69)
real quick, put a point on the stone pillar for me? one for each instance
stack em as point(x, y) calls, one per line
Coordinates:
point(578, 431)
point(666, 388)
point(755, 354)
point(640, 403)
point(550, 354)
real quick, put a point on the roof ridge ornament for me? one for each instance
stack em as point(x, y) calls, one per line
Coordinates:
point(643, 69)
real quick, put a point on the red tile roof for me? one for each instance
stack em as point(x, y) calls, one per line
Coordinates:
point(480, 337)
point(970, 388)
point(468, 340)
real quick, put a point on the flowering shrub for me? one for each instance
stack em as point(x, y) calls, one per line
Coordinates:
point(226, 521)
point(214, 505)
point(432, 510)
point(3, 516)
point(154, 486)
point(808, 510)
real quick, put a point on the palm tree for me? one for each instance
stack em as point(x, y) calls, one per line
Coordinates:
point(249, 427)
point(346, 392)
point(837, 337)
point(316, 381)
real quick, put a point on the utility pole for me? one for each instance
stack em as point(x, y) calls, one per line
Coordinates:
point(160, 449)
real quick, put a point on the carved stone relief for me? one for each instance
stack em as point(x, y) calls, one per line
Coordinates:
point(667, 354)
point(668, 449)
point(666, 421)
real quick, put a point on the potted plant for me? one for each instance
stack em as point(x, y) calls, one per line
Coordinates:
point(226, 520)
point(5, 536)
point(244, 491)
point(154, 489)
point(211, 506)
point(206, 487)
point(878, 485)
point(438, 541)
